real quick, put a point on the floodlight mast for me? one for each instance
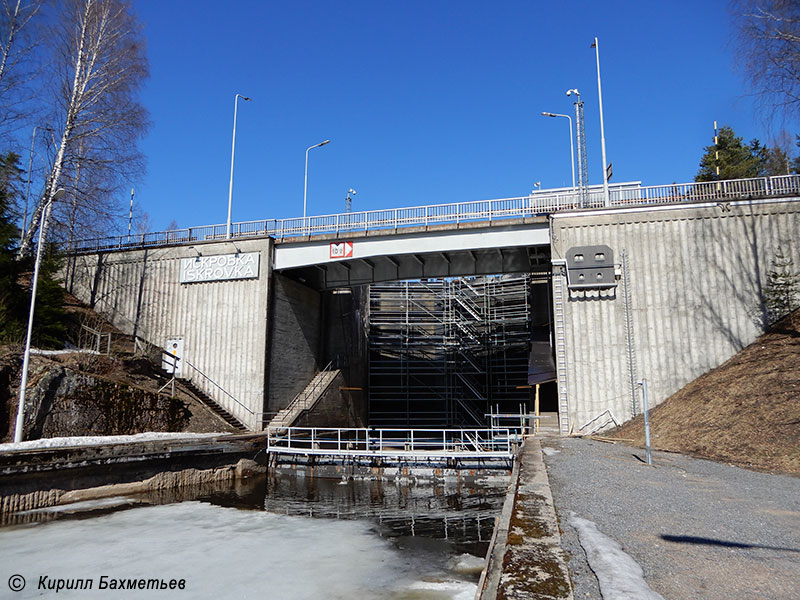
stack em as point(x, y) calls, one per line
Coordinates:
point(583, 168)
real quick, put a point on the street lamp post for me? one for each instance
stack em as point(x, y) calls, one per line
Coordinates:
point(28, 184)
point(27, 354)
point(571, 145)
point(233, 148)
point(606, 198)
point(305, 179)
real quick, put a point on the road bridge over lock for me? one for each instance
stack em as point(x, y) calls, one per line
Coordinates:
point(687, 262)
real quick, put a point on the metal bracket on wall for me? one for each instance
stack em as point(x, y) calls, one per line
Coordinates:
point(590, 267)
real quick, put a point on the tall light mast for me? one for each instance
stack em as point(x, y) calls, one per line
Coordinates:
point(583, 168)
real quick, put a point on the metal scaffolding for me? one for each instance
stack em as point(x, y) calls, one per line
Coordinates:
point(445, 352)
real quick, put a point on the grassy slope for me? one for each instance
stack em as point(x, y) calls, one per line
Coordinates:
point(745, 412)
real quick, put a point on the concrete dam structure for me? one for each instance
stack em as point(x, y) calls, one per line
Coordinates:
point(659, 286)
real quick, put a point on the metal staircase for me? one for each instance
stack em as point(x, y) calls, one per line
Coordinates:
point(307, 399)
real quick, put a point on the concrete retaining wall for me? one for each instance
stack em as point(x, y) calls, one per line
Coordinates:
point(696, 279)
point(223, 324)
point(295, 340)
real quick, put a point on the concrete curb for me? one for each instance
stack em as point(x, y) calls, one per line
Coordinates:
point(490, 577)
point(526, 560)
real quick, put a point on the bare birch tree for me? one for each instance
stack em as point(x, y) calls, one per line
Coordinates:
point(769, 52)
point(18, 40)
point(101, 62)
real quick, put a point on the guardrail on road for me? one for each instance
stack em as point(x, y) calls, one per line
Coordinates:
point(542, 202)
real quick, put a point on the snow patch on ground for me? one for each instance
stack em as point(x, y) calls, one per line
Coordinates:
point(620, 577)
point(92, 440)
point(60, 352)
point(549, 451)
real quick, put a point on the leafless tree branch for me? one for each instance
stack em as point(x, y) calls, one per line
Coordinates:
point(768, 48)
point(103, 65)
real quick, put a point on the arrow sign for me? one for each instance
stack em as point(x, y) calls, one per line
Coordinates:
point(341, 250)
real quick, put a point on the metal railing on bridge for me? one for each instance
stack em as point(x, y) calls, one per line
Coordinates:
point(541, 202)
point(393, 443)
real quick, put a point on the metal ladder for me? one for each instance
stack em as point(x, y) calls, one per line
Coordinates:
point(561, 350)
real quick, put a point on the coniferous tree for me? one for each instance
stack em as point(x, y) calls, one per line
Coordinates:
point(736, 159)
point(782, 291)
point(11, 293)
point(49, 325)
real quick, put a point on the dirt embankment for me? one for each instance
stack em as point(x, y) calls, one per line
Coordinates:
point(744, 412)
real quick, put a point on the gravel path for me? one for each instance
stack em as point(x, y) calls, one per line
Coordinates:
point(699, 529)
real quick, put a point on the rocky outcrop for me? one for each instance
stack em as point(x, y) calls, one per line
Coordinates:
point(61, 401)
point(9, 371)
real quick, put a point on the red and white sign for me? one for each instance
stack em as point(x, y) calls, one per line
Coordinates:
point(342, 250)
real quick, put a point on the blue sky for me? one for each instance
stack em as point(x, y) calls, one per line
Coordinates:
point(425, 102)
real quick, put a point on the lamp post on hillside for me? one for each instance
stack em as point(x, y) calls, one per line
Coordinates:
point(27, 354)
point(233, 148)
point(571, 145)
point(28, 184)
point(305, 177)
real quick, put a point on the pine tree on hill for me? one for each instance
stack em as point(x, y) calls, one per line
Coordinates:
point(11, 294)
point(737, 160)
point(782, 291)
point(49, 325)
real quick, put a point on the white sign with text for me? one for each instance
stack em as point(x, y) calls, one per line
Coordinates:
point(341, 250)
point(221, 267)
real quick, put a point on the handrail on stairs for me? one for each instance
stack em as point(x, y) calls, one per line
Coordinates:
point(305, 394)
point(611, 419)
point(219, 387)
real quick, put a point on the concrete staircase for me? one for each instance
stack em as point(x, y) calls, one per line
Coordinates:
point(218, 410)
point(306, 399)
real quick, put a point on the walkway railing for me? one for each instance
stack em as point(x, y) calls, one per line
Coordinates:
point(542, 202)
point(392, 443)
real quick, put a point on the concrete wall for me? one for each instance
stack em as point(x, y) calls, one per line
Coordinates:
point(336, 408)
point(223, 323)
point(295, 342)
point(696, 280)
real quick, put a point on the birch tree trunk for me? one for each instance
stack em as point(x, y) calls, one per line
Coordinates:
point(101, 120)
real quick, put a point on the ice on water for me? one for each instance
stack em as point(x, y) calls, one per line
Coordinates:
point(226, 553)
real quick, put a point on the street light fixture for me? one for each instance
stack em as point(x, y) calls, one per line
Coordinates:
point(606, 198)
point(571, 145)
point(233, 148)
point(305, 180)
point(27, 354)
